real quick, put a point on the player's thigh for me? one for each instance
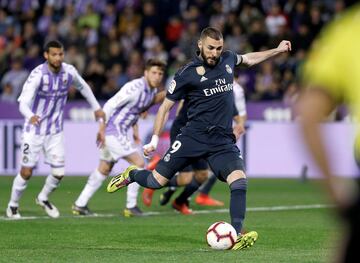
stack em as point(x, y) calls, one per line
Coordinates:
point(136, 159)
point(54, 149)
point(31, 147)
point(182, 152)
point(226, 161)
point(116, 147)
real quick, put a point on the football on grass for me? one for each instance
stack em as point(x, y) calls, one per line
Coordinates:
point(221, 236)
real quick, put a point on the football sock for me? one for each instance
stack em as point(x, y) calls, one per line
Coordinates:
point(51, 183)
point(131, 195)
point(238, 203)
point(93, 183)
point(18, 187)
point(206, 187)
point(144, 178)
point(189, 189)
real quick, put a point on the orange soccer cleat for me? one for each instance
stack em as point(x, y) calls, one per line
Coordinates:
point(204, 199)
point(147, 196)
point(182, 208)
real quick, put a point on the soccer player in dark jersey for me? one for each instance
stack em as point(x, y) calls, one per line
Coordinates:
point(207, 84)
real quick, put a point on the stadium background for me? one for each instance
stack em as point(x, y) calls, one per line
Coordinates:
point(108, 42)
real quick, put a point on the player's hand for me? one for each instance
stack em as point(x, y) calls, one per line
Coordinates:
point(151, 147)
point(284, 46)
point(35, 120)
point(99, 114)
point(137, 139)
point(100, 139)
point(238, 130)
point(144, 114)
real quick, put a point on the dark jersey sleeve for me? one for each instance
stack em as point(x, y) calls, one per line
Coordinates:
point(177, 87)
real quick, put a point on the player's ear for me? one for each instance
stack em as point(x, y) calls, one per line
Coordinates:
point(199, 44)
point(46, 55)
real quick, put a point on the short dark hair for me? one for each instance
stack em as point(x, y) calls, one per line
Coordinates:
point(211, 32)
point(154, 62)
point(54, 44)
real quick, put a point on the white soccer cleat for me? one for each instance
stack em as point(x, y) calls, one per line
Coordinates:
point(13, 212)
point(49, 208)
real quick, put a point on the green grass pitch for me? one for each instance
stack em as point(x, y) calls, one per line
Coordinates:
point(285, 235)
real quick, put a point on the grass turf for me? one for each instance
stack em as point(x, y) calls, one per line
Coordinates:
point(303, 235)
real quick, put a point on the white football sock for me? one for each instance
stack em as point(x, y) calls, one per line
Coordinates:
point(94, 182)
point(131, 195)
point(18, 187)
point(51, 183)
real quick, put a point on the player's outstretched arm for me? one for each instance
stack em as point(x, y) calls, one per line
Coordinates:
point(254, 58)
point(160, 120)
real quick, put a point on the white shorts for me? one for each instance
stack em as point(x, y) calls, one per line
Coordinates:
point(51, 145)
point(116, 147)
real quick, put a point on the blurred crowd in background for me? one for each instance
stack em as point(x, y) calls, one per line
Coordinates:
point(109, 41)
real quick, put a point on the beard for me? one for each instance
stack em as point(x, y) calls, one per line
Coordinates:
point(209, 61)
point(55, 66)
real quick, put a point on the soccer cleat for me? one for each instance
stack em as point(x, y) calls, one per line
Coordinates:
point(154, 161)
point(81, 210)
point(135, 211)
point(245, 240)
point(49, 208)
point(147, 196)
point(120, 180)
point(166, 196)
point(182, 208)
point(13, 212)
point(204, 199)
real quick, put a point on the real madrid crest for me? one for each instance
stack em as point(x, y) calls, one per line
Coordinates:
point(200, 70)
point(228, 69)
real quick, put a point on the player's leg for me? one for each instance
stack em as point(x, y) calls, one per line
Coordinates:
point(132, 192)
point(175, 159)
point(30, 150)
point(148, 193)
point(180, 179)
point(55, 156)
point(228, 166)
point(94, 182)
point(181, 203)
point(203, 198)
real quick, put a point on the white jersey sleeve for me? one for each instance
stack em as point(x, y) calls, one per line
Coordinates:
point(28, 92)
point(126, 94)
point(85, 90)
point(239, 97)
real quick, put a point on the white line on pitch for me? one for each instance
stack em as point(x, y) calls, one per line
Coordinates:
point(211, 211)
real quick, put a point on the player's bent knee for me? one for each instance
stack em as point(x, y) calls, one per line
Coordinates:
point(201, 175)
point(235, 175)
point(159, 178)
point(184, 178)
point(58, 172)
point(105, 167)
point(26, 172)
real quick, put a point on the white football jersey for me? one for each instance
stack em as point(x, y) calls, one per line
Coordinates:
point(45, 94)
point(124, 108)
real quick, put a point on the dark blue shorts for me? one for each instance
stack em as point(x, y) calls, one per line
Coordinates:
point(222, 155)
point(200, 164)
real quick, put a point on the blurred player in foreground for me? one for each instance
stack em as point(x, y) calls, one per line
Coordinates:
point(207, 82)
point(332, 77)
point(122, 112)
point(42, 102)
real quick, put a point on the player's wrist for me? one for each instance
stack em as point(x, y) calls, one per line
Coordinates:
point(154, 140)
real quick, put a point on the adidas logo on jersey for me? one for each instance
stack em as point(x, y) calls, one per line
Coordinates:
point(203, 79)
